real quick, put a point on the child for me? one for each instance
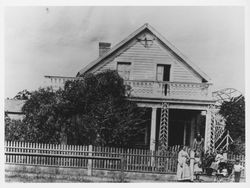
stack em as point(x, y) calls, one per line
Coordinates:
point(197, 165)
point(237, 170)
point(218, 159)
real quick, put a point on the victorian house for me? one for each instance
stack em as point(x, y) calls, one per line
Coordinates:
point(175, 91)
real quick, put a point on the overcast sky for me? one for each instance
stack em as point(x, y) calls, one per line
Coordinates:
point(61, 40)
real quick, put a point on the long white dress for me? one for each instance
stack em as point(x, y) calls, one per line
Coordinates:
point(183, 169)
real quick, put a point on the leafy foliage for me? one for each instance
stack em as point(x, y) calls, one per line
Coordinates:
point(234, 113)
point(23, 95)
point(41, 118)
point(91, 110)
point(237, 147)
point(14, 129)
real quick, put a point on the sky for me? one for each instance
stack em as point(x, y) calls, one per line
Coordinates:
point(60, 41)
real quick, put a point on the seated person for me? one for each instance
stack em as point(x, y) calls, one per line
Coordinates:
point(218, 159)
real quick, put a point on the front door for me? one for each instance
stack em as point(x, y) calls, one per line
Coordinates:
point(179, 132)
point(176, 132)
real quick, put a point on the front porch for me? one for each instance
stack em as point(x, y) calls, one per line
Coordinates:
point(181, 126)
point(188, 110)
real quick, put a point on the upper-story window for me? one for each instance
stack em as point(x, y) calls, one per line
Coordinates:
point(163, 72)
point(123, 69)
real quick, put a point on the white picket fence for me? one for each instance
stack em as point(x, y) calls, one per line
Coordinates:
point(107, 158)
point(92, 157)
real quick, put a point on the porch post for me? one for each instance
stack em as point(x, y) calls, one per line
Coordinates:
point(185, 133)
point(153, 129)
point(192, 131)
point(208, 130)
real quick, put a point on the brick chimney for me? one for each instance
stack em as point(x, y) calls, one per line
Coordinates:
point(103, 48)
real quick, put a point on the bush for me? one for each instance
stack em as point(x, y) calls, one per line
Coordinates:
point(237, 147)
point(93, 110)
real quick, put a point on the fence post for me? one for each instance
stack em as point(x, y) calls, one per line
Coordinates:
point(122, 167)
point(90, 160)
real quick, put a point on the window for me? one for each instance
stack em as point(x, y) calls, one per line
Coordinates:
point(123, 69)
point(163, 73)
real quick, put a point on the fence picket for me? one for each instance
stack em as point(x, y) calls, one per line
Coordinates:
point(82, 161)
point(67, 156)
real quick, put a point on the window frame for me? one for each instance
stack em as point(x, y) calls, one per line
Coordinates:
point(129, 64)
point(162, 65)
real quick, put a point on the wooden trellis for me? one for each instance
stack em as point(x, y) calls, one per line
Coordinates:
point(163, 134)
point(213, 124)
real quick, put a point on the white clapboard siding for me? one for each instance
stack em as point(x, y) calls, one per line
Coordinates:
point(144, 62)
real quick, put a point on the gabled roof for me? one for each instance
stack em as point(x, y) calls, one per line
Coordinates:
point(164, 41)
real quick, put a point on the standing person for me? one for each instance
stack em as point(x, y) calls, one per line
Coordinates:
point(237, 170)
point(198, 143)
point(183, 170)
point(186, 166)
point(180, 164)
point(192, 160)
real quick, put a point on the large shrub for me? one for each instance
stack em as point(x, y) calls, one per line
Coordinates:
point(91, 110)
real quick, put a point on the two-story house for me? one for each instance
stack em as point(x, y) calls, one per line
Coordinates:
point(162, 79)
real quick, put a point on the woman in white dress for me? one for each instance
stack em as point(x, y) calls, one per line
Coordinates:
point(183, 169)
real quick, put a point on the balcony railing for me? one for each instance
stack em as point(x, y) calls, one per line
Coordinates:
point(57, 82)
point(177, 90)
point(151, 89)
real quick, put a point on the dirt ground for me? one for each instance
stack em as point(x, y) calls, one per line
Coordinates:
point(37, 179)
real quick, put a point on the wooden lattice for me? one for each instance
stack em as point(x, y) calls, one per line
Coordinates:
point(163, 134)
point(213, 124)
point(210, 141)
point(219, 131)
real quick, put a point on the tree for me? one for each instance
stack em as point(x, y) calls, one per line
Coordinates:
point(234, 113)
point(91, 110)
point(42, 118)
point(99, 111)
point(23, 95)
point(237, 147)
point(14, 129)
